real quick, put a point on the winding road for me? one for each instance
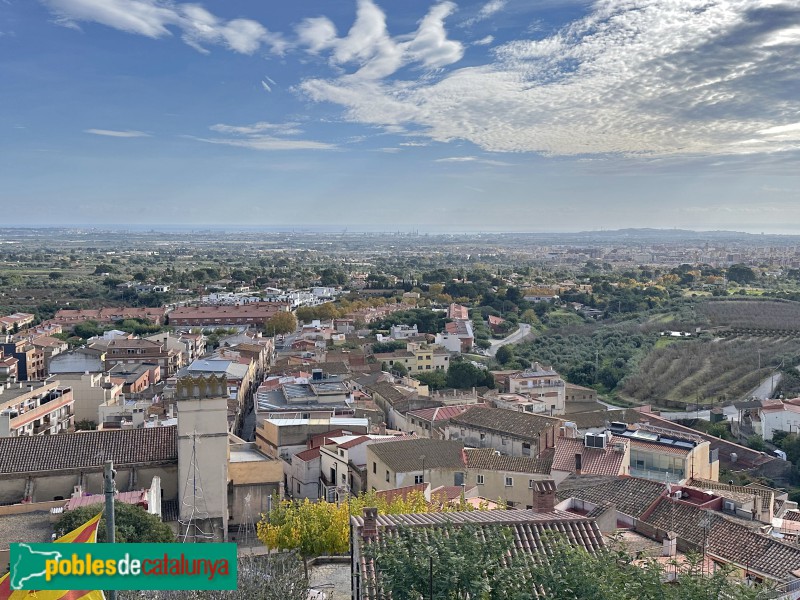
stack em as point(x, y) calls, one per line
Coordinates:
point(514, 338)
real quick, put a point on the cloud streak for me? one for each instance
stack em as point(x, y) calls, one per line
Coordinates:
point(263, 136)
point(117, 134)
point(156, 18)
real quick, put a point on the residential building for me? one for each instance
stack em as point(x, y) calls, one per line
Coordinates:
point(135, 379)
point(578, 393)
point(507, 478)
point(508, 431)
point(591, 455)
point(80, 360)
point(542, 383)
point(89, 391)
point(531, 532)
point(417, 357)
point(285, 434)
point(67, 316)
point(431, 422)
point(255, 314)
point(401, 332)
point(397, 464)
point(38, 408)
point(343, 465)
point(496, 324)
point(666, 455)
point(49, 347)
point(140, 351)
point(30, 359)
point(457, 312)
point(460, 329)
point(302, 473)
point(15, 321)
point(778, 415)
point(8, 368)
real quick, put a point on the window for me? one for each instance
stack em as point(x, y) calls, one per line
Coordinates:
point(344, 478)
point(483, 436)
point(418, 479)
point(479, 479)
point(298, 488)
point(387, 475)
point(509, 482)
point(530, 483)
point(505, 441)
point(428, 367)
point(526, 449)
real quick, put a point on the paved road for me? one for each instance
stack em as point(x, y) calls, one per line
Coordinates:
point(515, 337)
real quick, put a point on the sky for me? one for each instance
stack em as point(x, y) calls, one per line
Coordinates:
point(498, 115)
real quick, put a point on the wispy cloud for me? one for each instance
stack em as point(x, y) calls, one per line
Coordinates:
point(484, 41)
point(263, 136)
point(487, 10)
point(643, 78)
point(474, 160)
point(117, 134)
point(155, 19)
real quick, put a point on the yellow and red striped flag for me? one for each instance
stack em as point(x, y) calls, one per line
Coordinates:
point(85, 534)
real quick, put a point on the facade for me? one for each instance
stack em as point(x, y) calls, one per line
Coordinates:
point(80, 360)
point(510, 432)
point(255, 314)
point(8, 368)
point(89, 391)
point(430, 422)
point(30, 359)
point(281, 436)
point(417, 357)
point(109, 315)
point(343, 462)
point(39, 408)
point(497, 477)
point(402, 463)
point(302, 472)
point(542, 383)
point(779, 415)
point(139, 351)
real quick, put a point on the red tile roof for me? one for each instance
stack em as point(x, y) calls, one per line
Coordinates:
point(594, 461)
point(308, 455)
point(439, 413)
point(402, 492)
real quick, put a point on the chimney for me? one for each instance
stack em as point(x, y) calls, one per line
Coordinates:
point(578, 458)
point(370, 528)
point(544, 496)
point(670, 546)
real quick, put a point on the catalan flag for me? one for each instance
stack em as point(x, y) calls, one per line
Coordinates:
point(85, 534)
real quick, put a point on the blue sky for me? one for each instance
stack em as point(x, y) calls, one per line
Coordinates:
point(491, 115)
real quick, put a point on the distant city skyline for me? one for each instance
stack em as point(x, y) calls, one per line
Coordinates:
point(498, 115)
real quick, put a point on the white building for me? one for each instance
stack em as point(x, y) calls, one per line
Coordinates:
point(779, 415)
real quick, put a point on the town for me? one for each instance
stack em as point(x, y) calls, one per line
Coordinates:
point(648, 407)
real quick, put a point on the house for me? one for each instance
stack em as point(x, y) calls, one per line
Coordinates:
point(38, 408)
point(401, 332)
point(397, 464)
point(89, 391)
point(457, 312)
point(49, 346)
point(508, 431)
point(508, 478)
point(496, 324)
point(67, 316)
point(284, 435)
point(15, 321)
point(30, 359)
point(343, 465)
point(779, 415)
point(430, 422)
point(531, 530)
point(8, 368)
point(577, 393)
point(542, 383)
point(255, 314)
point(417, 357)
point(140, 351)
point(79, 360)
point(591, 455)
point(302, 473)
point(134, 379)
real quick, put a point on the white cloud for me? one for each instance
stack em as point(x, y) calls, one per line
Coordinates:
point(633, 77)
point(263, 136)
point(484, 41)
point(486, 11)
point(117, 134)
point(474, 160)
point(374, 52)
point(154, 18)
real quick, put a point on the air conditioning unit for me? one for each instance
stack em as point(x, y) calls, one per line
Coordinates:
point(729, 505)
point(592, 440)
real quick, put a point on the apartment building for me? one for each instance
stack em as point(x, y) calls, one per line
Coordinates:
point(35, 408)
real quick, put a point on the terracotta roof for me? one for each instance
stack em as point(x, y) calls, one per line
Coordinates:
point(594, 461)
point(308, 455)
point(632, 496)
point(406, 455)
point(767, 494)
point(355, 442)
point(439, 413)
point(447, 493)
point(387, 391)
point(503, 421)
point(488, 458)
point(401, 492)
point(728, 539)
point(89, 449)
point(532, 533)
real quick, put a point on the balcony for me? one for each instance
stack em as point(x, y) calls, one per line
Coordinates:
point(657, 475)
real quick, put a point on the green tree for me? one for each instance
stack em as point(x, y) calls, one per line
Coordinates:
point(399, 368)
point(435, 380)
point(463, 375)
point(283, 322)
point(133, 524)
point(504, 355)
point(55, 275)
point(305, 314)
point(87, 329)
point(756, 443)
point(741, 274)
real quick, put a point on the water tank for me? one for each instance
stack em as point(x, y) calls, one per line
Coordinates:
point(734, 457)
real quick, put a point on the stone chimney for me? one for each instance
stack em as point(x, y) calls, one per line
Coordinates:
point(369, 530)
point(544, 496)
point(670, 547)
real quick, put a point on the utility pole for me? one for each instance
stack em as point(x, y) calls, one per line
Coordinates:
point(108, 478)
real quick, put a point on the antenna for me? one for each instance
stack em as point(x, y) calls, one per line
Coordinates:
point(246, 533)
point(193, 498)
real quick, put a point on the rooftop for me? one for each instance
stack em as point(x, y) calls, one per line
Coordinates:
point(632, 496)
point(403, 456)
point(509, 422)
point(490, 459)
point(594, 461)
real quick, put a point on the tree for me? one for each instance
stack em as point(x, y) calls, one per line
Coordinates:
point(741, 274)
point(87, 329)
point(133, 524)
point(283, 322)
point(55, 275)
point(504, 355)
point(399, 368)
point(435, 380)
point(756, 443)
point(306, 314)
point(463, 375)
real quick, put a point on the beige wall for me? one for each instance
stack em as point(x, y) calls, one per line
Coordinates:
point(88, 394)
point(494, 486)
point(203, 449)
point(376, 475)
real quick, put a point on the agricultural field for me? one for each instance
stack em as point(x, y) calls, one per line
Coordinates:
point(749, 314)
point(708, 370)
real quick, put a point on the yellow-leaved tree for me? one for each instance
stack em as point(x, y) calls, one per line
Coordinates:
point(318, 528)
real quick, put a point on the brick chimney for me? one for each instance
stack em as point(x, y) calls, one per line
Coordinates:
point(370, 528)
point(544, 496)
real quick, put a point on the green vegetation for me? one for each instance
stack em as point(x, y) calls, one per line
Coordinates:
point(133, 524)
point(426, 320)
